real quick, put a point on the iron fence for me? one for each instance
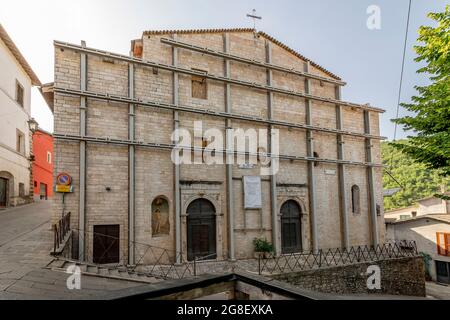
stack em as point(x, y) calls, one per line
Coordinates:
point(163, 263)
point(271, 264)
point(60, 231)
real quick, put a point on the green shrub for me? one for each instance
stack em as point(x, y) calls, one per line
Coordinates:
point(262, 245)
point(426, 261)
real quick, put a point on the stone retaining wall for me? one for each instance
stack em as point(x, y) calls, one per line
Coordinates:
point(403, 276)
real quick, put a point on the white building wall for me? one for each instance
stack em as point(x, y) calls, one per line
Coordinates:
point(432, 205)
point(423, 231)
point(13, 117)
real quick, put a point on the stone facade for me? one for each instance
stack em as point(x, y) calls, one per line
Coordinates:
point(403, 276)
point(107, 164)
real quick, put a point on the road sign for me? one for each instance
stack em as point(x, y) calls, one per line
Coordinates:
point(63, 179)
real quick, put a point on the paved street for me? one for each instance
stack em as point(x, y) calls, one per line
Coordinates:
point(438, 291)
point(25, 244)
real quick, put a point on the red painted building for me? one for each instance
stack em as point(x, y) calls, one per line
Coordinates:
point(43, 164)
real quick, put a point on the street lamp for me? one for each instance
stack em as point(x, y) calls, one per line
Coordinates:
point(33, 125)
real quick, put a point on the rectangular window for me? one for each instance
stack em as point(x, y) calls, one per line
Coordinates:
point(404, 217)
point(49, 157)
point(20, 142)
point(443, 243)
point(21, 189)
point(19, 93)
point(199, 87)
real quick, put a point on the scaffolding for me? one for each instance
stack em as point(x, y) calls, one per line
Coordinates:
point(132, 102)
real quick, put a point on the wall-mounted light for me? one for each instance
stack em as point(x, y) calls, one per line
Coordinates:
point(33, 125)
point(108, 189)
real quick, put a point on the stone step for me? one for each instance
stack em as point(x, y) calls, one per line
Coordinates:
point(134, 275)
point(103, 271)
point(124, 274)
point(56, 263)
point(92, 269)
point(114, 272)
point(83, 267)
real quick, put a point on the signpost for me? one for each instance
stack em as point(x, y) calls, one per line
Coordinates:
point(63, 185)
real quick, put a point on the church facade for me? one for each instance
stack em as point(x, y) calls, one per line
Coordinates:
point(116, 120)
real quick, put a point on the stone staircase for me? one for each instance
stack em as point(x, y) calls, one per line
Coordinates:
point(112, 272)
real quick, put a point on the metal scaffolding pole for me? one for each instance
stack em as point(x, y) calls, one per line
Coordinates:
point(168, 106)
point(273, 177)
point(311, 175)
point(228, 147)
point(176, 125)
point(371, 184)
point(169, 147)
point(82, 200)
point(341, 174)
point(266, 65)
point(173, 68)
point(132, 169)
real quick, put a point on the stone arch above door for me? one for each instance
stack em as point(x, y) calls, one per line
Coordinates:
point(300, 202)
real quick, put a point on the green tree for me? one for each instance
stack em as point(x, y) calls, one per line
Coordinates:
point(431, 106)
point(416, 179)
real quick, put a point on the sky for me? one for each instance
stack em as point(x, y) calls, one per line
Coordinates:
point(332, 33)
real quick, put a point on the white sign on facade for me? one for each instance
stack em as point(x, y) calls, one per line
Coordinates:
point(252, 192)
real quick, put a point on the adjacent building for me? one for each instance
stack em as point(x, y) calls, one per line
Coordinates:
point(424, 206)
point(427, 222)
point(431, 232)
point(42, 164)
point(114, 118)
point(16, 150)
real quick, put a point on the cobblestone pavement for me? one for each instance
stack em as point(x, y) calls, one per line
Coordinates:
point(25, 243)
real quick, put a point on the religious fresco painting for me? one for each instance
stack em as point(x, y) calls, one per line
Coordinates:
point(160, 217)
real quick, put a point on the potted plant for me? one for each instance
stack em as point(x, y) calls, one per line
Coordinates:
point(263, 248)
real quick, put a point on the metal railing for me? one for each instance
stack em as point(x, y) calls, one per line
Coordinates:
point(149, 260)
point(60, 231)
point(161, 262)
point(310, 260)
point(202, 258)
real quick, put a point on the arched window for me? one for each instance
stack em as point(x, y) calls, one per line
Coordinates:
point(160, 217)
point(355, 199)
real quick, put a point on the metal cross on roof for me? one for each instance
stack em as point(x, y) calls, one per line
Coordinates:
point(254, 17)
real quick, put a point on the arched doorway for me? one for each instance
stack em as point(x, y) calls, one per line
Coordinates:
point(201, 229)
point(291, 234)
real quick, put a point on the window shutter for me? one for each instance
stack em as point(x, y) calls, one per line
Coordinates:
point(441, 243)
point(447, 244)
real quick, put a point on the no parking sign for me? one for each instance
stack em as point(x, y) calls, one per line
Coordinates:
point(63, 183)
